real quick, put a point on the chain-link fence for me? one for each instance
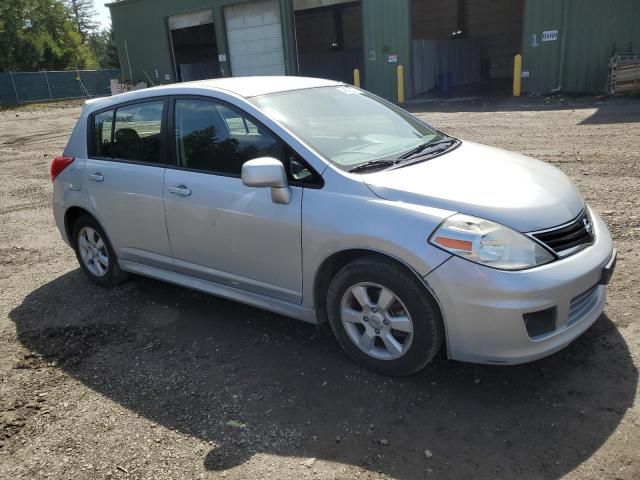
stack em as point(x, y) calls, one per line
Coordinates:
point(21, 87)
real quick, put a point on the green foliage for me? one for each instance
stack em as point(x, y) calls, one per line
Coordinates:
point(111, 58)
point(103, 46)
point(40, 33)
point(83, 13)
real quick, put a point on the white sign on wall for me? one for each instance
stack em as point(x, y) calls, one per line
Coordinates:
point(550, 35)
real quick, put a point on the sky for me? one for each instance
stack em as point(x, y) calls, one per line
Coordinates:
point(103, 13)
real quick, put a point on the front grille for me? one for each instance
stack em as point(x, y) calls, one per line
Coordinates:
point(583, 304)
point(568, 238)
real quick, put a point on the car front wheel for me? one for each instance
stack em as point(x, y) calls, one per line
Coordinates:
point(383, 317)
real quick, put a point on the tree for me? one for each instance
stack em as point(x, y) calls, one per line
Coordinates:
point(111, 58)
point(83, 13)
point(40, 33)
point(103, 46)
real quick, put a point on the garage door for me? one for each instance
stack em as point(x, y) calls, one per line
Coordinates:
point(254, 35)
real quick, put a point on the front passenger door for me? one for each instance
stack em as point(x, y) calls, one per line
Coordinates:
point(219, 229)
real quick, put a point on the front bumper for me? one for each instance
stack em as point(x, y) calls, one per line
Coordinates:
point(483, 308)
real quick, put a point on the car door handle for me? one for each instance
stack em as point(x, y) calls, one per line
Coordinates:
point(180, 190)
point(96, 177)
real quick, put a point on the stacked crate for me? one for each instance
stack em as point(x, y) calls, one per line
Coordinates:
point(624, 73)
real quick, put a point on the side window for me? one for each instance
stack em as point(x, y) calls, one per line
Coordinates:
point(212, 137)
point(102, 128)
point(298, 170)
point(236, 123)
point(136, 135)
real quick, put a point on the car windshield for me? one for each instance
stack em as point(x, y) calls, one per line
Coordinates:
point(346, 125)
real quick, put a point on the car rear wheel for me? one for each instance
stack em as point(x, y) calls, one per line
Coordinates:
point(383, 317)
point(95, 254)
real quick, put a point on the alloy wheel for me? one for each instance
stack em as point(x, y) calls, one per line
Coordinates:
point(93, 251)
point(376, 321)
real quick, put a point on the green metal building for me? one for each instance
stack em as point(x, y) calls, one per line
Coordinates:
point(581, 36)
point(163, 41)
point(469, 44)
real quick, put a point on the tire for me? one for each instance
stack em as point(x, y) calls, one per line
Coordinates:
point(106, 275)
point(417, 342)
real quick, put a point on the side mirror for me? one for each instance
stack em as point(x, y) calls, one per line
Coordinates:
point(268, 172)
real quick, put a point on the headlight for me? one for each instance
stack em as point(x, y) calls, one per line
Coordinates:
point(489, 243)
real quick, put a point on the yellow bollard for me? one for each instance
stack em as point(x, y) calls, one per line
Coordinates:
point(400, 84)
point(356, 77)
point(517, 75)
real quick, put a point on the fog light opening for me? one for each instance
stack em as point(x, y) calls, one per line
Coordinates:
point(541, 322)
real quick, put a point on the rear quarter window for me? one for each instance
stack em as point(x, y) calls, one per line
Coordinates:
point(102, 134)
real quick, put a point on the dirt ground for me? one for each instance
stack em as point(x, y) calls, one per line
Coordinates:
point(149, 380)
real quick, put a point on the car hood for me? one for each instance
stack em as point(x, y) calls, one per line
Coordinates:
point(512, 189)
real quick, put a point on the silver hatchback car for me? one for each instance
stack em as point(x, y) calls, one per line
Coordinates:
point(321, 201)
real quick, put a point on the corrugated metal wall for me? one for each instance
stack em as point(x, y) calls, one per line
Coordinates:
point(287, 17)
point(142, 36)
point(143, 40)
point(589, 33)
point(386, 33)
point(142, 24)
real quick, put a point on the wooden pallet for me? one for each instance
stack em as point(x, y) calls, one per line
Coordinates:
point(626, 79)
point(624, 59)
point(624, 73)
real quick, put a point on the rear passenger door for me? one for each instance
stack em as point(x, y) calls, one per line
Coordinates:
point(221, 230)
point(125, 176)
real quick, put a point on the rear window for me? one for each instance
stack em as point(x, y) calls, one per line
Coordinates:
point(131, 132)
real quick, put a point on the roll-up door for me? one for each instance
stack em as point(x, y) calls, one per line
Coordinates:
point(254, 35)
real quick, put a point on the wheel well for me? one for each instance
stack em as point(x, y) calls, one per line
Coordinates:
point(70, 218)
point(332, 265)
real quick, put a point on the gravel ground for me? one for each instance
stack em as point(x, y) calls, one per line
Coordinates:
point(149, 380)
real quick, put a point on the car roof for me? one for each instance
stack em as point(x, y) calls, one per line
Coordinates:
point(256, 86)
point(246, 87)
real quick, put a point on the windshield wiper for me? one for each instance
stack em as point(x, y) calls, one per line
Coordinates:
point(431, 146)
point(373, 164)
point(419, 151)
